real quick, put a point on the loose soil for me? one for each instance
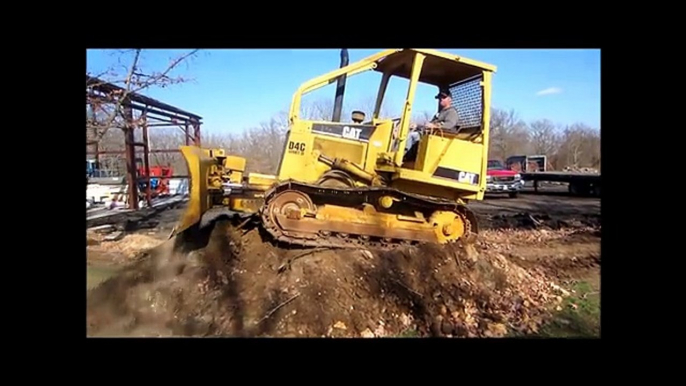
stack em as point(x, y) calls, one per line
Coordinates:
point(229, 282)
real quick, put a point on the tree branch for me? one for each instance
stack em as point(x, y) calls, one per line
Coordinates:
point(134, 81)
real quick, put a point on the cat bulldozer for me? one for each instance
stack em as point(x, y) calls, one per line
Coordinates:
point(351, 184)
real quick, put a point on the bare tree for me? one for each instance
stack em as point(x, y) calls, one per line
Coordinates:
point(105, 107)
point(508, 134)
point(322, 109)
point(579, 146)
point(367, 105)
point(543, 137)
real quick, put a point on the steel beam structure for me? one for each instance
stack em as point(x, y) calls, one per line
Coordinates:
point(152, 113)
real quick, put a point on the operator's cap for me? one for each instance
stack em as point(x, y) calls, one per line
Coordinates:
point(443, 94)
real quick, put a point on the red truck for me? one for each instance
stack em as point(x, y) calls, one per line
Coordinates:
point(500, 179)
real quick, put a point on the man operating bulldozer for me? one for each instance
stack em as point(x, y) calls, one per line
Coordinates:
point(445, 119)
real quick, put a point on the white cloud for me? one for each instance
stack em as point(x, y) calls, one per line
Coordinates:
point(550, 91)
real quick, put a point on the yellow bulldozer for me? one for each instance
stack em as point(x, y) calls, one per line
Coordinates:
point(352, 184)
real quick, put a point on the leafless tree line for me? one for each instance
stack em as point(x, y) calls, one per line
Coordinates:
point(574, 145)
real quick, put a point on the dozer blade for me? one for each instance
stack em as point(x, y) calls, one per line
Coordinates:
point(198, 162)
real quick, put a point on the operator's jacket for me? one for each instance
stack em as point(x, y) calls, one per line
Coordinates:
point(447, 118)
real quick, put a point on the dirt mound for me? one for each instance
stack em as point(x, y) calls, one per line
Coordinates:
point(236, 284)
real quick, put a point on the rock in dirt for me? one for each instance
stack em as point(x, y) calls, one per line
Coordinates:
point(115, 236)
point(405, 320)
point(367, 333)
point(366, 254)
point(103, 229)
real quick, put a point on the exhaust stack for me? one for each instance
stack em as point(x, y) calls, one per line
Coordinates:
point(340, 88)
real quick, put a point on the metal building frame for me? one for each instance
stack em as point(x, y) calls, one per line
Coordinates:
point(153, 113)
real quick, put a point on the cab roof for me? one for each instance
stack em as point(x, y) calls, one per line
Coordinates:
point(440, 69)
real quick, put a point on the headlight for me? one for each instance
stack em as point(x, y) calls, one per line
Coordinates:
point(518, 177)
point(489, 178)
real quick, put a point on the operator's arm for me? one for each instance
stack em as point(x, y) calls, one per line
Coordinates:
point(450, 120)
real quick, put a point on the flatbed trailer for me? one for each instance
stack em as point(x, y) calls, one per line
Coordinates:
point(582, 184)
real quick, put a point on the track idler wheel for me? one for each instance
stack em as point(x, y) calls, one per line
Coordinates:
point(452, 226)
point(448, 226)
point(290, 203)
point(294, 205)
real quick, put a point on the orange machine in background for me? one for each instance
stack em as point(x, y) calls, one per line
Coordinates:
point(159, 180)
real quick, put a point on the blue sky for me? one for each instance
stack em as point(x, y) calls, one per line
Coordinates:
point(236, 89)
